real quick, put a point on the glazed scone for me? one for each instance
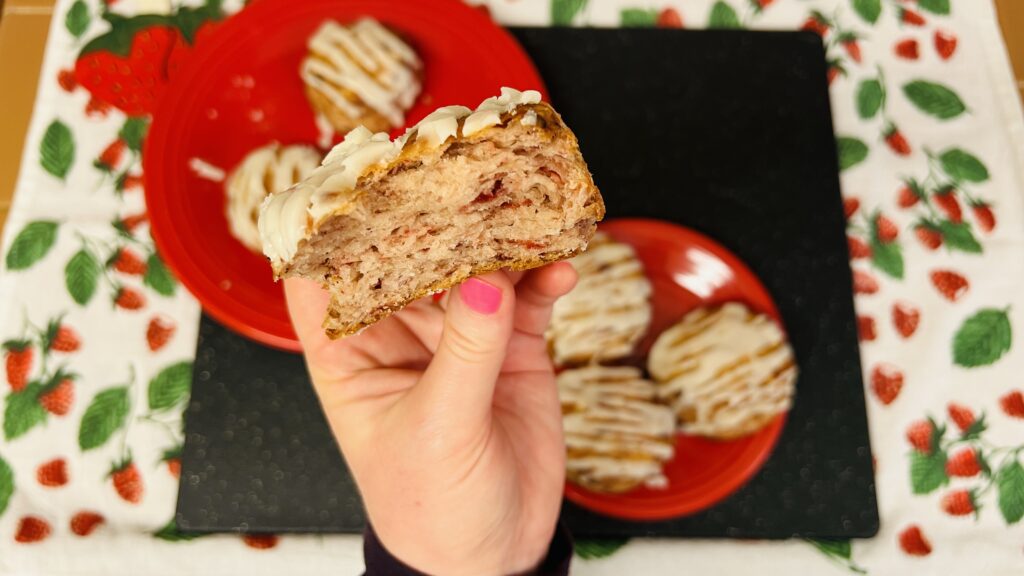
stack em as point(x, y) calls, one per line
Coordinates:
point(617, 436)
point(726, 371)
point(608, 311)
point(271, 168)
point(361, 74)
point(382, 223)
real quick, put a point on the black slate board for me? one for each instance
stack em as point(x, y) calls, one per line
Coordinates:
point(726, 132)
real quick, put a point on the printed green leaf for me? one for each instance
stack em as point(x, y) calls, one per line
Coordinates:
point(6, 485)
point(958, 236)
point(190, 19)
point(81, 276)
point(158, 277)
point(171, 533)
point(835, 548)
point(170, 387)
point(851, 152)
point(982, 339)
point(1011, 491)
point(963, 166)
point(105, 415)
point(887, 257)
point(598, 548)
point(563, 11)
point(934, 99)
point(31, 244)
point(869, 10)
point(638, 17)
point(870, 95)
point(723, 16)
point(22, 411)
point(934, 6)
point(57, 150)
point(77, 18)
point(928, 472)
point(134, 132)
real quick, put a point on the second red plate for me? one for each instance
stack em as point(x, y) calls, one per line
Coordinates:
point(688, 270)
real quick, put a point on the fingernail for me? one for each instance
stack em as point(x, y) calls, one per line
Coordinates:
point(480, 296)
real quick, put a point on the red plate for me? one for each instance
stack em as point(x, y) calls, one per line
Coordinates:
point(241, 90)
point(688, 270)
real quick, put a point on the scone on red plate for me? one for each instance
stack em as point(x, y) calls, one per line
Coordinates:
point(382, 223)
point(726, 371)
point(609, 310)
point(361, 74)
point(265, 170)
point(617, 436)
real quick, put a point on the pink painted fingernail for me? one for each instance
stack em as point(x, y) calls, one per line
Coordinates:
point(480, 296)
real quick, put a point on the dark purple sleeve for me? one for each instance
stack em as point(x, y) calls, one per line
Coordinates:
point(380, 562)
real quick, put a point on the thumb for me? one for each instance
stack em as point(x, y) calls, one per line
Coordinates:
point(477, 328)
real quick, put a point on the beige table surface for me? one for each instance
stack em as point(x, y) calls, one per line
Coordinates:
point(23, 29)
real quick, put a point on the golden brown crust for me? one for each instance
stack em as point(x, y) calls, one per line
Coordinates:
point(339, 120)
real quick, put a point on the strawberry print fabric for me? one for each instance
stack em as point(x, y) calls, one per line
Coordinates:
point(98, 336)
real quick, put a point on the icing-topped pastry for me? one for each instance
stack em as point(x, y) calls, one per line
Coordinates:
point(382, 223)
point(608, 311)
point(361, 74)
point(271, 168)
point(726, 371)
point(616, 434)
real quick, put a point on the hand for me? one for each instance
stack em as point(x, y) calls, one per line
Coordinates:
point(448, 417)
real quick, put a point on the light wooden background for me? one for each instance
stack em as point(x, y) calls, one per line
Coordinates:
point(23, 28)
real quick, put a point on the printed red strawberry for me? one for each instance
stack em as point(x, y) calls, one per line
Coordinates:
point(129, 298)
point(96, 108)
point(172, 457)
point(921, 436)
point(984, 216)
point(858, 248)
point(260, 541)
point(58, 396)
point(60, 337)
point(908, 16)
point(896, 141)
point(946, 200)
point(886, 382)
point(950, 284)
point(929, 235)
point(159, 331)
point(127, 481)
point(128, 224)
point(945, 44)
point(1013, 404)
point(669, 18)
point(851, 44)
point(18, 356)
point(32, 529)
point(207, 20)
point(864, 283)
point(110, 158)
point(850, 206)
point(913, 542)
point(817, 23)
point(910, 194)
point(907, 49)
point(126, 67)
point(53, 473)
point(887, 230)
point(963, 463)
point(905, 317)
point(66, 79)
point(835, 69)
point(961, 415)
point(84, 523)
point(760, 5)
point(128, 183)
point(127, 261)
point(866, 328)
point(959, 503)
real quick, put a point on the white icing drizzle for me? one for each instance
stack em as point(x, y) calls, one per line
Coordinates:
point(367, 60)
point(271, 168)
point(288, 217)
point(614, 427)
point(721, 367)
point(608, 311)
point(205, 170)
